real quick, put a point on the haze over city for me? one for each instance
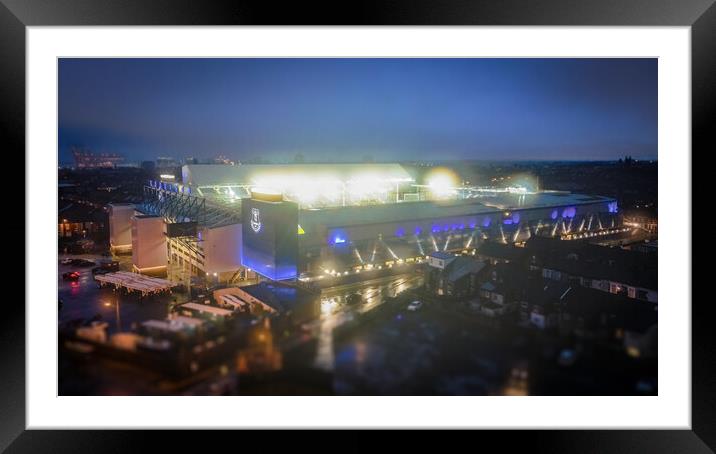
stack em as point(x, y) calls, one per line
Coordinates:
point(358, 227)
point(350, 109)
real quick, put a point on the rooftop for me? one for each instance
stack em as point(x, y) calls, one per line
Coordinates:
point(497, 250)
point(280, 297)
point(596, 262)
point(438, 209)
point(442, 255)
point(462, 266)
point(206, 308)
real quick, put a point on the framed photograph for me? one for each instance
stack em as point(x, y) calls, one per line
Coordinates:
point(415, 216)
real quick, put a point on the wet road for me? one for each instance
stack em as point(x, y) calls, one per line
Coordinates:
point(83, 299)
point(335, 310)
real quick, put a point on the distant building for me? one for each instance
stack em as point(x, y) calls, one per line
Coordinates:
point(148, 166)
point(84, 159)
point(452, 276)
point(222, 160)
point(164, 162)
point(76, 220)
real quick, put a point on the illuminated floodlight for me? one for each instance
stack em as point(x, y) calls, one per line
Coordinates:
point(358, 255)
point(390, 251)
point(442, 182)
point(435, 244)
point(331, 186)
point(516, 235)
point(420, 245)
point(447, 242)
point(469, 242)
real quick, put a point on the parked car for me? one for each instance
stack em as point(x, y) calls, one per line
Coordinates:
point(107, 267)
point(82, 262)
point(354, 298)
point(71, 276)
point(415, 305)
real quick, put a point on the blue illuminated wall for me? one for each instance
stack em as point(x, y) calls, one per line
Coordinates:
point(337, 237)
point(270, 238)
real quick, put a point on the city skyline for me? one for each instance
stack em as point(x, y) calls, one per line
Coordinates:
point(347, 109)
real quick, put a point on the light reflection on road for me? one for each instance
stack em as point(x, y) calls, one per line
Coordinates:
point(335, 310)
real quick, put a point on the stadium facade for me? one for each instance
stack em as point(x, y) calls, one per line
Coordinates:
point(297, 221)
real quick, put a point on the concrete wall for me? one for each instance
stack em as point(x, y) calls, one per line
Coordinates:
point(222, 249)
point(149, 243)
point(120, 225)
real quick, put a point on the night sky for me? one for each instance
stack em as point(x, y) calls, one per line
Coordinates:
point(344, 109)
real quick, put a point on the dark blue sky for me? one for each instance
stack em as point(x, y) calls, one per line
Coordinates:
point(343, 109)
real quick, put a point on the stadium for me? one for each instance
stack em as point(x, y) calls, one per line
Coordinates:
point(302, 221)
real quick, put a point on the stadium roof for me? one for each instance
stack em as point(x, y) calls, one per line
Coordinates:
point(438, 209)
point(223, 175)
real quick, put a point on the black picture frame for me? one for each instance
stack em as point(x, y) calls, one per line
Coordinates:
point(700, 15)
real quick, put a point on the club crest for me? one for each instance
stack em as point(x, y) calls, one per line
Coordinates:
point(255, 220)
